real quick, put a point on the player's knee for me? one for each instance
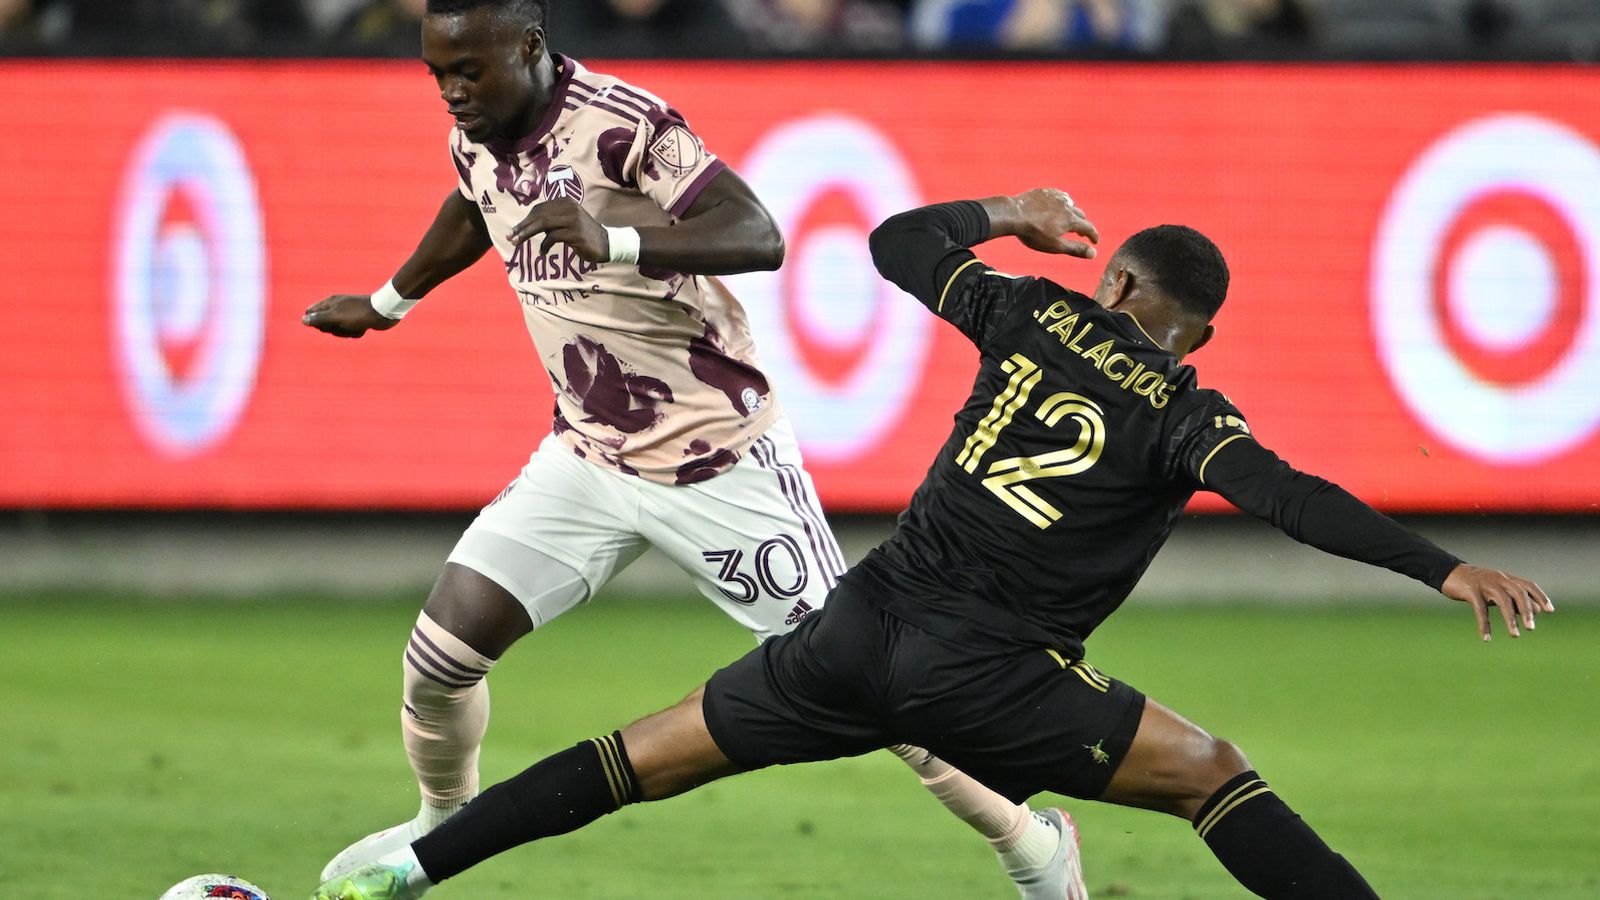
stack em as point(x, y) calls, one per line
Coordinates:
point(477, 611)
point(1219, 762)
point(1227, 760)
point(1212, 763)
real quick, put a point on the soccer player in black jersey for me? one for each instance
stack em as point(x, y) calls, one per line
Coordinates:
point(1083, 439)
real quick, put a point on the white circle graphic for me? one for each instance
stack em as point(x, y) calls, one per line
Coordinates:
point(199, 282)
point(1504, 289)
point(835, 273)
point(837, 300)
point(1499, 423)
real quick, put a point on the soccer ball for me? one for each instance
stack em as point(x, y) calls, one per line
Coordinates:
point(225, 886)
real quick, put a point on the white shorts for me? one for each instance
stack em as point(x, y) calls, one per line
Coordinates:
point(753, 538)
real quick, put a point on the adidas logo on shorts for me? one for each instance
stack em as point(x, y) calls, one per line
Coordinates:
point(800, 611)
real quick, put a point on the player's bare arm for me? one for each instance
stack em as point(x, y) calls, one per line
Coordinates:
point(724, 232)
point(456, 239)
point(1329, 518)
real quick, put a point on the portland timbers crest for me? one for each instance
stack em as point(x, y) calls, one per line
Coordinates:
point(563, 181)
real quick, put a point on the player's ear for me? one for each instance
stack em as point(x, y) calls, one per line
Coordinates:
point(1206, 334)
point(533, 43)
point(1119, 287)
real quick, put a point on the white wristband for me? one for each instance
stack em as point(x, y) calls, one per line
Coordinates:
point(624, 244)
point(389, 304)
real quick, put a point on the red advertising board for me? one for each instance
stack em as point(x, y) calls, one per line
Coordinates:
point(1415, 250)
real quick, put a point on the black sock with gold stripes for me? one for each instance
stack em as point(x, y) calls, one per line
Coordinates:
point(1269, 849)
point(562, 793)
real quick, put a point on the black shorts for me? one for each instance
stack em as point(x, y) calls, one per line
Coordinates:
point(853, 678)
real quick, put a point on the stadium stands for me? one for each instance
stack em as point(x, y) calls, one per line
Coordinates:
point(1539, 30)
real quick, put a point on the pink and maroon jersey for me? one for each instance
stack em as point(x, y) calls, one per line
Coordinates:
point(654, 371)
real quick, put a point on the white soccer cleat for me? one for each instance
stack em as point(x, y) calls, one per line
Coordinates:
point(1062, 877)
point(371, 848)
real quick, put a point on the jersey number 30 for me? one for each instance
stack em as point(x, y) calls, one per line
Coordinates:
point(1008, 478)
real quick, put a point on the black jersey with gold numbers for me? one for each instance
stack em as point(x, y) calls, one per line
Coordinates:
point(1073, 457)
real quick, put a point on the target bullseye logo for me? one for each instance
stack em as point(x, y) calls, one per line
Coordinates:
point(188, 283)
point(1486, 288)
point(845, 348)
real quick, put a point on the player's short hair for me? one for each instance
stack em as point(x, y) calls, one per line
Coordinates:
point(534, 12)
point(1185, 263)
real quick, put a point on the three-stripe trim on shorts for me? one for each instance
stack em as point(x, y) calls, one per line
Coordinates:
point(1090, 675)
point(823, 547)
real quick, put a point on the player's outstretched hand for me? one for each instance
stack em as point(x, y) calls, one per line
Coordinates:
point(563, 221)
point(1044, 215)
point(347, 315)
point(1482, 588)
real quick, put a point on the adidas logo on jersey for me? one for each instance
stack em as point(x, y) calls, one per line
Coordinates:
point(800, 611)
point(485, 203)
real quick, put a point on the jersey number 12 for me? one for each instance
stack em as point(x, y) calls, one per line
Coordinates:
point(1007, 477)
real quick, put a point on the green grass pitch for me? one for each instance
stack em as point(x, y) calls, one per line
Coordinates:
point(141, 742)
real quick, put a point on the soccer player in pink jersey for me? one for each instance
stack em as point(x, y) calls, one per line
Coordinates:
point(611, 217)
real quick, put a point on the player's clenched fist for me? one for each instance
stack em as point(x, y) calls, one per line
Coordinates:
point(347, 315)
point(563, 221)
point(1482, 588)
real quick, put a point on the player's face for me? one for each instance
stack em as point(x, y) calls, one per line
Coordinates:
point(485, 67)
